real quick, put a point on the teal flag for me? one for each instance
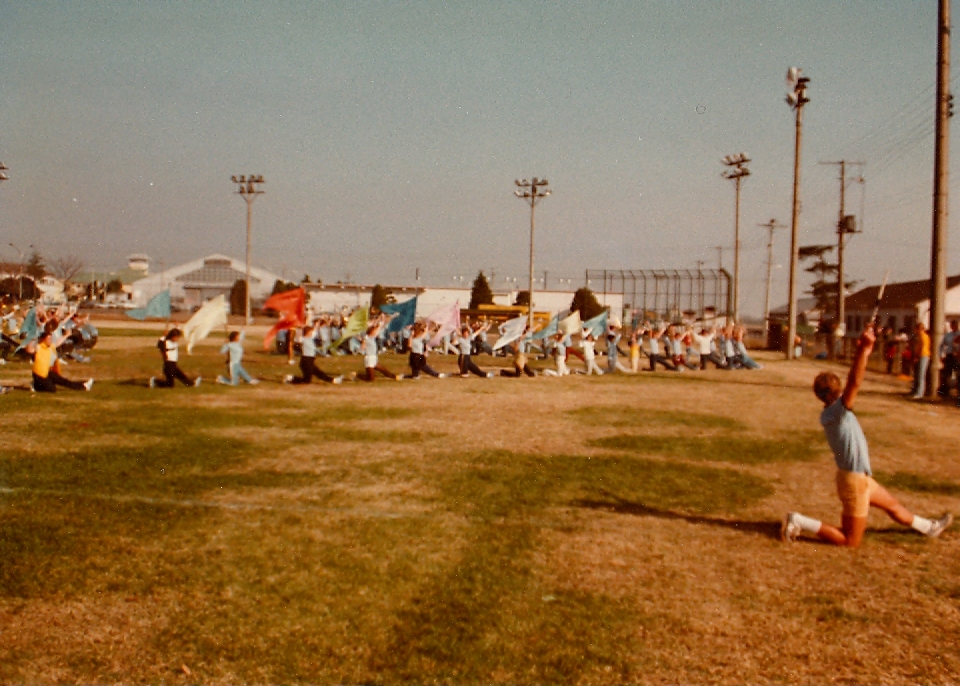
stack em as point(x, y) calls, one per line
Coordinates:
point(549, 330)
point(29, 330)
point(597, 326)
point(406, 314)
point(158, 307)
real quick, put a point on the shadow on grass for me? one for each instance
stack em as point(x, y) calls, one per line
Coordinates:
point(619, 416)
point(798, 447)
point(917, 483)
point(637, 509)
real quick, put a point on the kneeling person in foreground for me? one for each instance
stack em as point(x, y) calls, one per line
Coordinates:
point(856, 487)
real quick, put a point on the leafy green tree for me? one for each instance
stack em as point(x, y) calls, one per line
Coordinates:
point(35, 266)
point(238, 297)
point(522, 299)
point(281, 286)
point(586, 303)
point(380, 296)
point(115, 286)
point(481, 293)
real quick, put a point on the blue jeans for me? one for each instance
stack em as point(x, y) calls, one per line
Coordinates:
point(920, 378)
point(237, 372)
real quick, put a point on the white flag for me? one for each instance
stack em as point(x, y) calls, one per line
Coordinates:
point(212, 314)
point(510, 331)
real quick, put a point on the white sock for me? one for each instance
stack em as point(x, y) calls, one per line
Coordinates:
point(921, 524)
point(808, 524)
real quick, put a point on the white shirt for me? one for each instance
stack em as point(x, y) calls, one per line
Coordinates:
point(704, 342)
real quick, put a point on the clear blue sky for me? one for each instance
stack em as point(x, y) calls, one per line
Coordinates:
point(390, 133)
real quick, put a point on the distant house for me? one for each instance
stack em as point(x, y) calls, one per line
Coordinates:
point(807, 312)
point(195, 282)
point(903, 305)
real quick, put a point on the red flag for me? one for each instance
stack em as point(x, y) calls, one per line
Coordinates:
point(291, 305)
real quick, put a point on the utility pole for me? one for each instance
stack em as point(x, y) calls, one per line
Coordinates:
point(531, 192)
point(941, 190)
point(843, 228)
point(736, 170)
point(545, 272)
point(796, 99)
point(720, 257)
point(248, 188)
point(771, 225)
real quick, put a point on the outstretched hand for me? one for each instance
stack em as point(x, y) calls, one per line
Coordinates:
point(868, 337)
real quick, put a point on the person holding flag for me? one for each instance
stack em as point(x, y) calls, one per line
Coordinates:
point(169, 345)
point(371, 361)
point(233, 349)
point(308, 361)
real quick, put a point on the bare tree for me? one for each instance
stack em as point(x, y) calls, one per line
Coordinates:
point(65, 268)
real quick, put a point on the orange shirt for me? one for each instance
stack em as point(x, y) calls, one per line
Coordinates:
point(923, 344)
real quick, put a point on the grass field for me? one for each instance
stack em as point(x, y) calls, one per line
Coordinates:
point(583, 530)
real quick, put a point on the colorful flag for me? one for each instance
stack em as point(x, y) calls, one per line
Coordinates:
point(29, 329)
point(449, 320)
point(356, 324)
point(158, 306)
point(292, 306)
point(211, 314)
point(550, 328)
point(510, 331)
point(570, 324)
point(406, 313)
point(597, 325)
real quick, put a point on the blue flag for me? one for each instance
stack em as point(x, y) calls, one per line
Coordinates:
point(597, 326)
point(29, 331)
point(159, 307)
point(406, 314)
point(550, 329)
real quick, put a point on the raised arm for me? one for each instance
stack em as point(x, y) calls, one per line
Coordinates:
point(859, 366)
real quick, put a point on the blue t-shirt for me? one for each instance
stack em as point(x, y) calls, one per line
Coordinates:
point(846, 438)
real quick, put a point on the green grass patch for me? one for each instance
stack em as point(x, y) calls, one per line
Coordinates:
point(917, 483)
point(801, 447)
point(630, 417)
point(826, 609)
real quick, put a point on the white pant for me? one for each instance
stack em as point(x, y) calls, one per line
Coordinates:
point(561, 369)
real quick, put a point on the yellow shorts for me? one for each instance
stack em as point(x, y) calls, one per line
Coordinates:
point(855, 490)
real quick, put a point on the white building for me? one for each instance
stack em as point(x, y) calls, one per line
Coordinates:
point(336, 297)
point(903, 305)
point(194, 283)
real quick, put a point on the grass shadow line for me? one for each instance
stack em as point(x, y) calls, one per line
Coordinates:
point(621, 506)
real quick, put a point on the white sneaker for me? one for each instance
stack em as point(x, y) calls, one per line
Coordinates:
point(254, 382)
point(5, 389)
point(288, 378)
point(222, 381)
point(441, 375)
point(197, 381)
point(939, 525)
point(88, 384)
point(338, 379)
point(789, 529)
point(490, 375)
point(153, 382)
point(291, 362)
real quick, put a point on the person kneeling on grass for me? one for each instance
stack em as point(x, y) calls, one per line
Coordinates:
point(308, 361)
point(855, 485)
point(169, 346)
point(233, 349)
point(371, 360)
point(46, 368)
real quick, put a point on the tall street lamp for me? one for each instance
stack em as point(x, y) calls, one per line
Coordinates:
point(796, 99)
point(736, 170)
point(531, 192)
point(248, 187)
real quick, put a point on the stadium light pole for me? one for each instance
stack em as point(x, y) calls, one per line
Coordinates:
point(736, 170)
point(248, 187)
point(531, 191)
point(796, 99)
point(21, 266)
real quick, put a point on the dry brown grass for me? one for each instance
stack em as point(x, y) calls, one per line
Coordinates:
point(351, 556)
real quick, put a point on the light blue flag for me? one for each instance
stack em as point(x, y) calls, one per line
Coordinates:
point(549, 330)
point(598, 325)
point(159, 307)
point(406, 314)
point(29, 329)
